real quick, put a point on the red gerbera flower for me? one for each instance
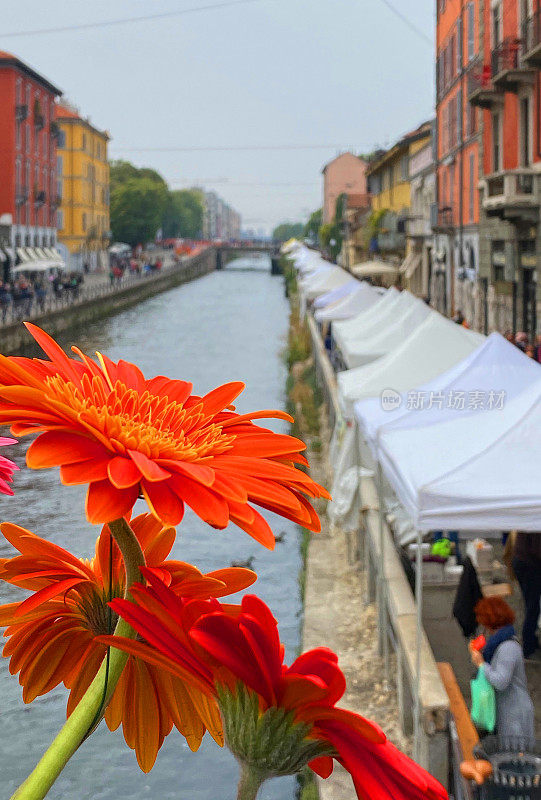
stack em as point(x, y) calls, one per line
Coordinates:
point(276, 718)
point(105, 424)
point(7, 468)
point(53, 634)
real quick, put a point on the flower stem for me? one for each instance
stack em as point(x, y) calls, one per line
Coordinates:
point(249, 784)
point(92, 705)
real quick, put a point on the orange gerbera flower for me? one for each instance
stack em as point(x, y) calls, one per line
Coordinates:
point(106, 425)
point(52, 634)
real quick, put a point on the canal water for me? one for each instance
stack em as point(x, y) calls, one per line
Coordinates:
point(229, 325)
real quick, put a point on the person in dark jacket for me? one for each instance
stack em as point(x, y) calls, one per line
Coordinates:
point(527, 568)
point(468, 594)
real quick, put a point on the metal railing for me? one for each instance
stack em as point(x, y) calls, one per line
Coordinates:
point(31, 308)
point(507, 55)
point(479, 77)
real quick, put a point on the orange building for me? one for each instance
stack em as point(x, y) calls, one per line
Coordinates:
point(487, 222)
point(345, 174)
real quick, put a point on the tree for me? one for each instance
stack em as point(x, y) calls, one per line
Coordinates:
point(288, 230)
point(137, 209)
point(183, 214)
point(311, 229)
point(122, 171)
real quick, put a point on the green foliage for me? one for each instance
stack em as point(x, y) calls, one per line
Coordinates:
point(288, 230)
point(183, 215)
point(137, 207)
point(332, 231)
point(311, 229)
point(177, 213)
point(307, 785)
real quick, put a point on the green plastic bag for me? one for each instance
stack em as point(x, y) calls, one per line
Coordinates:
point(483, 702)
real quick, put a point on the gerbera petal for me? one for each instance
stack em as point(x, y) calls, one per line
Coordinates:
point(58, 447)
point(150, 471)
point(123, 472)
point(221, 397)
point(322, 766)
point(163, 502)
point(105, 503)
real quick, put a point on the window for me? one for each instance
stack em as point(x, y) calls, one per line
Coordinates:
point(83, 221)
point(60, 219)
point(470, 15)
point(525, 132)
point(459, 48)
point(496, 143)
point(404, 168)
point(84, 141)
point(471, 119)
point(451, 185)
point(61, 141)
point(459, 119)
point(472, 187)
point(496, 24)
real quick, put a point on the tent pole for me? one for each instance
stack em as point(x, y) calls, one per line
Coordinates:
point(382, 610)
point(419, 630)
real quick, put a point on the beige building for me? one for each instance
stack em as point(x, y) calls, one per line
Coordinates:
point(345, 174)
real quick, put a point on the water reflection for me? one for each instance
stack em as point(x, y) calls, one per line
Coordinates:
point(230, 325)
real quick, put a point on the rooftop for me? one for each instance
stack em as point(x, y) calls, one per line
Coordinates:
point(8, 59)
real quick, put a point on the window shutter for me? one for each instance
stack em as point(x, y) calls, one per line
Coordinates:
point(459, 45)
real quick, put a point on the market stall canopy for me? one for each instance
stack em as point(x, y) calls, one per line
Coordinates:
point(386, 340)
point(374, 269)
point(352, 332)
point(337, 294)
point(434, 347)
point(478, 472)
point(328, 280)
point(363, 298)
point(37, 266)
point(494, 372)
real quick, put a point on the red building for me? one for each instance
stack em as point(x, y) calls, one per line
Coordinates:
point(488, 220)
point(28, 135)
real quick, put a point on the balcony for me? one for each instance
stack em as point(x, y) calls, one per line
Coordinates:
point(441, 217)
point(39, 121)
point(531, 37)
point(509, 73)
point(21, 195)
point(481, 91)
point(54, 129)
point(21, 113)
point(57, 200)
point(511, 195)
point(39, 197)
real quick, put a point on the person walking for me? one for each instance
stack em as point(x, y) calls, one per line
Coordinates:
point(527, 568)
point(5, 300)
point(503, 665)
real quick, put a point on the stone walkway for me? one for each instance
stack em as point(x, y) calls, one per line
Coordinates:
point(335, 616)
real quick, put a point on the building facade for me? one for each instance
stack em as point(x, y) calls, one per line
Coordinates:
point(417, 268)
point(355, 212)
point(389, 184)
point(220, 221)
point(28, 132)
point(487, 219)
point(82, 190)
point(345, 174)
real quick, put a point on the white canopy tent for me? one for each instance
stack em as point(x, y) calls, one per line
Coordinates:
point(375, 347)
point(38, 266)
point(324, 282)
point(363, 298)
point(373, 269)
point(435, 346)
point(475, 383)
point(371, 321)
point(337, 294)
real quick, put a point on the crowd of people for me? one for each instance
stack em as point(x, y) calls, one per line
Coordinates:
point(122, 265)
point(531, 346)
point(24, 295)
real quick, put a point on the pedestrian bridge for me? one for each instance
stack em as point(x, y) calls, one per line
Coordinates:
point(226, 252)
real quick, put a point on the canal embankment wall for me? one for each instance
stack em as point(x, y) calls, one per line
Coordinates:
point(105, 300)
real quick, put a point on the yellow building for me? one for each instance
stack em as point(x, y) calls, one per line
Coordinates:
point(83, 189)
point(390, 187)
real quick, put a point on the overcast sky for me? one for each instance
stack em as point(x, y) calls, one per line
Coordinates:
point(346, 73)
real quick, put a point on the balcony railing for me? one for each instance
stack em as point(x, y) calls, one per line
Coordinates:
point(481, 90)
point(531, 36)
point(54, 129)
point(509, 71)
point(39, 121)
point(39, 197)
point(21, 113)
point(511, 193)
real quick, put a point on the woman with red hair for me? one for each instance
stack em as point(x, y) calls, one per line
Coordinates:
point(503, 664)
